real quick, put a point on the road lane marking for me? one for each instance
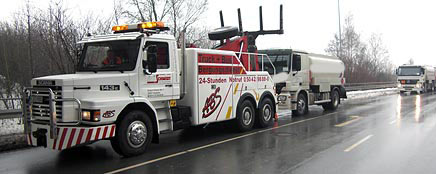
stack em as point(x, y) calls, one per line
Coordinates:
point(358, 143)
point(212, 144)
point(353, 119)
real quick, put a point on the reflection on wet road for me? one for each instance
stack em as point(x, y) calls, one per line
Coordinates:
point(389, 134)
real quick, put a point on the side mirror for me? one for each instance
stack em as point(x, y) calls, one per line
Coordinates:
point(149, 61)
point(396, 71)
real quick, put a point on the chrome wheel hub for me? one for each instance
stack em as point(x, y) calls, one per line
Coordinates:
point(247, 116)
point(267, 112)
point(301, 105)
point(136, 134)
point(336, 100)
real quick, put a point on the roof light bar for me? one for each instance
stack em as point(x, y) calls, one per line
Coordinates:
point(142, 25)
point(120, 28)
point(149, 25)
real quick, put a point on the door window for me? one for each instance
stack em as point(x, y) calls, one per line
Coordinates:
point(163, 58)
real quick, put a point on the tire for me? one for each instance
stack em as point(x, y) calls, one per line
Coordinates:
point(302, 107)
point(333, 105)
point(245, 116)
point(133, 134)
point(402, 93)
point(424, 88)
point(223, 33)
point(265, 113)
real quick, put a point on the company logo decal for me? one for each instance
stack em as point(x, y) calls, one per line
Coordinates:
point(109, 114)
point(217, 58)
point(45, 82)
point(212, 103)
point(162, 77)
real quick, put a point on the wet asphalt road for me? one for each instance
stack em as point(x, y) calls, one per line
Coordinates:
point(388, 134)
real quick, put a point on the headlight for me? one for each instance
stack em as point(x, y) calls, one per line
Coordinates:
point(418, 85)
point(86, 115)
point(399, 85)
point(281, 98)
point(91, 115)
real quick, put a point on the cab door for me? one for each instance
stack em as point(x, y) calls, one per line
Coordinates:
point(159, 85)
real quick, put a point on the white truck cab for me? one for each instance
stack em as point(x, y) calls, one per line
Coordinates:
point(135, 84)
point(307, 79)
point(415, 78)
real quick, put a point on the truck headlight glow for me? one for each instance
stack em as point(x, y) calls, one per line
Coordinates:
point(418, 85)
point(91, 115)
point(281, 98)
point(86, 115)
point(399, 85)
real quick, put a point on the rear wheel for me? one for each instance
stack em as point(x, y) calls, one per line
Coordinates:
point(333, 105)
point(133, 134)
point(265, 113)
point(302, 107)
point(245, 116)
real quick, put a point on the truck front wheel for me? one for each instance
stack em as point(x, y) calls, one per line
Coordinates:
point(302, 107)
point(133, 134)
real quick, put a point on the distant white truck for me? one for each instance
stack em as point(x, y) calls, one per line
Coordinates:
point(307, 79)
point(415, 78)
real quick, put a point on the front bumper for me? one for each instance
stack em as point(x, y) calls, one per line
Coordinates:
point(409, 88)
point(67, 136)
point(287, 101)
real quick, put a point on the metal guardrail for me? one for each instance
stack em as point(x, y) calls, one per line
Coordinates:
point(369, 86)
point(11, 113)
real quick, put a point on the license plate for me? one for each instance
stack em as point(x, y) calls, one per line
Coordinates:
point(37, 99)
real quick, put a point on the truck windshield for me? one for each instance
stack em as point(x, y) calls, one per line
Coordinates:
point(409, 71)
point(280, 62)
point(110, 56)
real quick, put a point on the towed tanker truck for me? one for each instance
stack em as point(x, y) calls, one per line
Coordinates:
point(415, 78)
point(135, 84)
point(306, 79)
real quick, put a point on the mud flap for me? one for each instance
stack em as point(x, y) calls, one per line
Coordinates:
point(41, 137)
point(342, 92)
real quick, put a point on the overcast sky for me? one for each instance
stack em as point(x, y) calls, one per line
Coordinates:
point(408, 28)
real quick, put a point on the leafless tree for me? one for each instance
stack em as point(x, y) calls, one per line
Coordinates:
point(183, 14)
point(38, 42)
point(43, 41)
point(364, 61)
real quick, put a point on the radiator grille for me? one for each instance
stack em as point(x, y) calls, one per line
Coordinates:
point(40, 102)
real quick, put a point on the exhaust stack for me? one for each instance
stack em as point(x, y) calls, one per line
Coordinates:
point(183, 70)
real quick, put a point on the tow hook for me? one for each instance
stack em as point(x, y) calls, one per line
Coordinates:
point(41, 137)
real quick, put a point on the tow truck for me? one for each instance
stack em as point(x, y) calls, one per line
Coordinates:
point(135, 84)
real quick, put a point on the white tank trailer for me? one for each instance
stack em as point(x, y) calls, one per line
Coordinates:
point(307, 79)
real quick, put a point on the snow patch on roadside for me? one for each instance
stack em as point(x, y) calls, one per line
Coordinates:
point(371, 93)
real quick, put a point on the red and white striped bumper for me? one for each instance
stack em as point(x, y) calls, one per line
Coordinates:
point(72, 136)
